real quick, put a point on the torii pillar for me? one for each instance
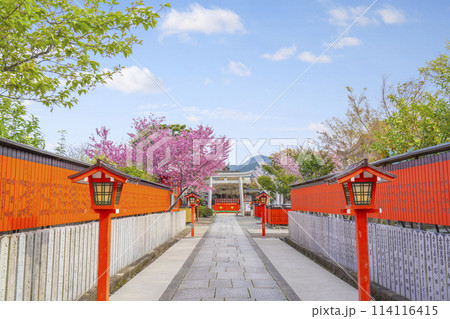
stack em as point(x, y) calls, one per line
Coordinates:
point(210, 192)
point(241, 196)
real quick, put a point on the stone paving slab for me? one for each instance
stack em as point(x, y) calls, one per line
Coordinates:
point(274, 294)
point(195, 293)
point(309, 281)
point(198, 283)
point(220, 283)
point(241, 293)
point(244, 283)
point(227, 265)
point(179, 275)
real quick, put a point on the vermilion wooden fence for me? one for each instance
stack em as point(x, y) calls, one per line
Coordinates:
point(35, 191)
point(258, 210)
point(277, 215)
point(226, 205)
point(420, 193)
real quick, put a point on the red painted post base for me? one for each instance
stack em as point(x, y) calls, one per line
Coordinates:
point(264, 221)
point(192, 221)
point(362, 255)
point(104, 253)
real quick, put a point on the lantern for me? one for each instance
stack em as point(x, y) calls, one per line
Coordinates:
point(262, 197)
point(359, 183)
point(105, 185)
point(192, 199)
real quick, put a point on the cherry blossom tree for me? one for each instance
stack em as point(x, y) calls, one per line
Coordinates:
point(102, 147)
point(282, 171)
point(293, 165)
point(180, 157)
point(286, 159)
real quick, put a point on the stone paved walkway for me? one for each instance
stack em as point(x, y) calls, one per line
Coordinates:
point(228, 265)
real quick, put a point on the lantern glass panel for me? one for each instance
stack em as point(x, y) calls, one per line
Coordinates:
point(263, 199)
point(362, 193)
point(118, 192)
point(192, 200)
point(103, 193)
point(347, 193)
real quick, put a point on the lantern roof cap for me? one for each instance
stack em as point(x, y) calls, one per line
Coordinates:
point(105, 168)
point(361, 167)
point(263, 193)
point(192, 194)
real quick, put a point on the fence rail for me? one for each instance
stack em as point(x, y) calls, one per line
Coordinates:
point(35, 191)
point(412, 263)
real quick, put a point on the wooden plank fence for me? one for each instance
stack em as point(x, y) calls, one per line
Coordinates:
point(413, 263)
point(61, 263)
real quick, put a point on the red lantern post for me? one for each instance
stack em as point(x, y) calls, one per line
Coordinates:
point(106, 184)
point(192, 199)
point(359, 184)
point(263, 197)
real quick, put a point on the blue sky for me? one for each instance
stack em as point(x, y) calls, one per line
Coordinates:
point(223, 63)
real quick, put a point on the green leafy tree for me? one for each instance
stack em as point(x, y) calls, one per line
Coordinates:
point(50, 50)
point(134, 171)
point(61, 147)
point(419, 111)
point(417, 123)
point(265, 182)
point(17, 125)
point(438, 71)
point(315, 164)
point(281, 179)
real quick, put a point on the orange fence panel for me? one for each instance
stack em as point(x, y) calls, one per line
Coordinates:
point(36, 192)
point(419, 194)
point(277, 215)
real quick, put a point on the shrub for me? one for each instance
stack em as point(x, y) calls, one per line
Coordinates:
point(204, 211)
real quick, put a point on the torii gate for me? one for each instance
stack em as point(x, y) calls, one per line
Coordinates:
point(230, 178)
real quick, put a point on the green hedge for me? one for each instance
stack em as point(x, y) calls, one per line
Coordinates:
point(204, 211)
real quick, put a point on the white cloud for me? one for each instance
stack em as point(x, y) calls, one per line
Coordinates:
point(207, 81)
point(345, 16)
point(134, 79)
point(201, 20)
point(346, 42)
point(391, 15)
point(307, 56)
point(238, 68)
point(339, 16)
point(282, 54)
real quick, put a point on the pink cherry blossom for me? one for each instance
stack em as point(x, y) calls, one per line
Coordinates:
point(183, 159)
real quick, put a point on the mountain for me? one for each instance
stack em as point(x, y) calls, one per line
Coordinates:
point(251, 164)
